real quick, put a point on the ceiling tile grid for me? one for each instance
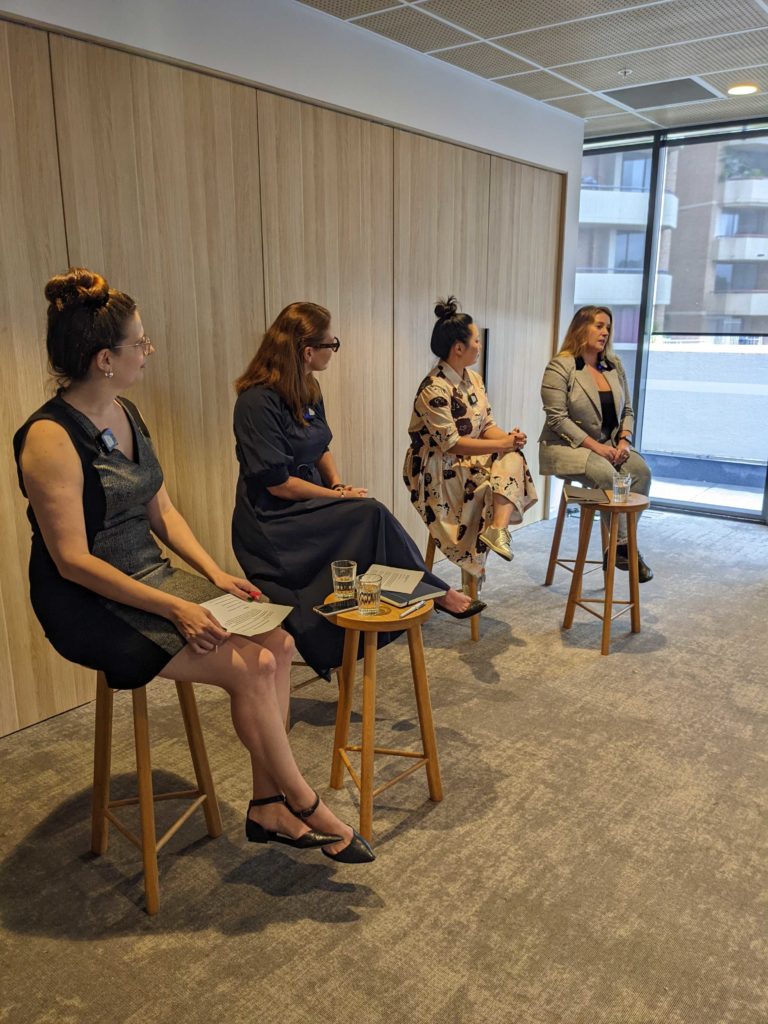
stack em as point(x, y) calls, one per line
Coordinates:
point(569, 52)
point(540, 85)
point(483, 59)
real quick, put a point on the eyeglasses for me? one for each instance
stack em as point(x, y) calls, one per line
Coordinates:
point(335, 345)
point(145, 344)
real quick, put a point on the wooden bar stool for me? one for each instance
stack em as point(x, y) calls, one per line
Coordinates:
point(554, 551)
point(468, 585)
point(632, 507)
point(102, 807)
point(369, 625)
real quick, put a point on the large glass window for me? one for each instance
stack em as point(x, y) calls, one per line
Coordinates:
point(696, 348)
point(612, 238)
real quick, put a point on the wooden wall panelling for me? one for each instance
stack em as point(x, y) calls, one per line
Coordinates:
point(441, 248)
point(160, 179)
point(326, 181)
point(34, 682)
point(523, 286)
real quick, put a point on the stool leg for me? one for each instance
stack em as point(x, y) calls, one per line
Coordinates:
point(344, 707)
point(554, 551)
point(102, 764)
point(574, 594)
point(189, 714)
point(634, 572)
point(369, 738)
point(469, 586)
point(610, 572)
point(146, 800)
point(429, 557)
point(424, 707)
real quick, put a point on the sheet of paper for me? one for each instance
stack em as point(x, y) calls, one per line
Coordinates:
point(403, 580)
point(248, 618)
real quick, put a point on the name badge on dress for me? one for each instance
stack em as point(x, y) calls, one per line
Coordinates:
point(108, 441)
point(309, 413)
point(472, 398)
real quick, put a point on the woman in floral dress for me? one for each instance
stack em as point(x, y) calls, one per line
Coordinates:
point(467, 477)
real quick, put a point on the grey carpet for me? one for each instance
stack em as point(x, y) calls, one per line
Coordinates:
point(599, 856)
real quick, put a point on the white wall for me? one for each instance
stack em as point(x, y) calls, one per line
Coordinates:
point(293, 49)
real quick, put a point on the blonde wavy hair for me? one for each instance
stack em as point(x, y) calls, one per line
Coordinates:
point(576, 336)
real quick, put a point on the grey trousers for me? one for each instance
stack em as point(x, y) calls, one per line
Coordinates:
point(600, 474)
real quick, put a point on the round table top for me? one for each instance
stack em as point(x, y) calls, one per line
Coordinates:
point(634, 503)
point(387, 621)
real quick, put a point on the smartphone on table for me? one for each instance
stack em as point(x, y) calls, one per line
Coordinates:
point(334, 607)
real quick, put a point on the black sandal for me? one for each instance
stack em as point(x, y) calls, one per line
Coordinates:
point(256, 833)
point(357, 850)
point(475, 607)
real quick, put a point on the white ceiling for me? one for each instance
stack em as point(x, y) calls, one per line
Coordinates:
point(570, 53)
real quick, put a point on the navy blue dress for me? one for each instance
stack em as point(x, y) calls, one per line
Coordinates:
point(286, 547)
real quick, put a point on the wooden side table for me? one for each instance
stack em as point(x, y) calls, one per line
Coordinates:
point(387, 621)
point(634, 505)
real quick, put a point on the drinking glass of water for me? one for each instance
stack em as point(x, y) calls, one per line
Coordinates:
point(343, 573)
point(369, 593)
point(622, 482)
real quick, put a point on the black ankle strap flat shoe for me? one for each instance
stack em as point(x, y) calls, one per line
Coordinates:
point(357, 850)
point(256, 833)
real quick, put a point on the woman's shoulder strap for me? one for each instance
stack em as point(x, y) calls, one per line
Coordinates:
point(134, 413)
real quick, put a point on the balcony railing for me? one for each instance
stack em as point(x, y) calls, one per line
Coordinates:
point(734, 248)
point(617, 287)
point(622, 207)
point(746, 192)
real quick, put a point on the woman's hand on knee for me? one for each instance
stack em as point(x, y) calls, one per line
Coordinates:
point(198, 627)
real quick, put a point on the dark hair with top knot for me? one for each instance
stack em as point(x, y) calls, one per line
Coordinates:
point(85, 315)
point(451, 327)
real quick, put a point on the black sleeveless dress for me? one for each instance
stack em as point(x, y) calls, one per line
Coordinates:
point(129, 645)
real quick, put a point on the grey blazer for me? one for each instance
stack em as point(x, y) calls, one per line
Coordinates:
point(572, 407)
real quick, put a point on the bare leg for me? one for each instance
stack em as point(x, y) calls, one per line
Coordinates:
point(248, 672)
point(454, 600)
point(502, 511)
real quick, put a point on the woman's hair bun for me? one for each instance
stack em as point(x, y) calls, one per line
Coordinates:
point(446, 308)
point(77, 286)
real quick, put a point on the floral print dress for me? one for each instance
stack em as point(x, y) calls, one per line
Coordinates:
point(453, 494)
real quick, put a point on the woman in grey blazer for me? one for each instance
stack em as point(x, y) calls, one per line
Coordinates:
point(588, 431)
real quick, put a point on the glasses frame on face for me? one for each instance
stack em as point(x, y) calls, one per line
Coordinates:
point(335, 345)
point(143, 343)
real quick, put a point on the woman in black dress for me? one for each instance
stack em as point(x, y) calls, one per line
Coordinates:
point(100, 587)
point(293, 515)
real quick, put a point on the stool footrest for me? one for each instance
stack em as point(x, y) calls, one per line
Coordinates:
point(586, 601)
point(388, 750)
point(182, 794)
point(420, 760)
point(194, 795)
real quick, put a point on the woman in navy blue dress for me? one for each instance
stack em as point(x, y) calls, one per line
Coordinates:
point(293, 515)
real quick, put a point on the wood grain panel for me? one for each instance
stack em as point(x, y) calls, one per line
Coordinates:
point(326, 182)
point(34, 682)
point(160, 179)
point(523, 287)
point(441, 248)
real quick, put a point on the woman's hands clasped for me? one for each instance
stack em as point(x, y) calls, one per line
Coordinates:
point(514, 441)
point(616, 456)
point(354, 492)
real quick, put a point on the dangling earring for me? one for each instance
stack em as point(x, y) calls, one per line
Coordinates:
point(109, 373)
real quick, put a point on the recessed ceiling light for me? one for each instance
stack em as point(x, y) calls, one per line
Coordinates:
point(743, 89)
